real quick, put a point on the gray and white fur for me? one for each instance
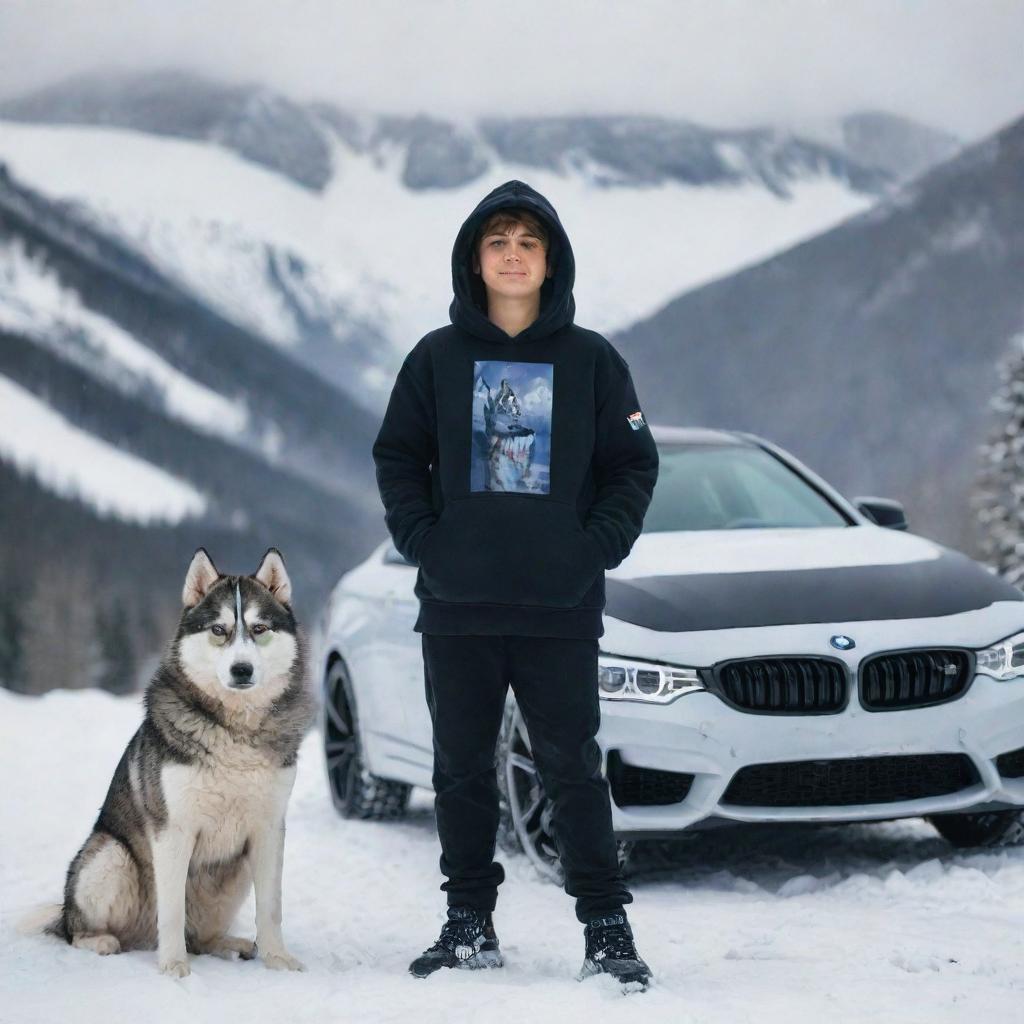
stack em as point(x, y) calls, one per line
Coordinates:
point(195, 813)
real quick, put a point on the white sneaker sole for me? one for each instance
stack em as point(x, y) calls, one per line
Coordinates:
point(482, 961)
point(590, 968)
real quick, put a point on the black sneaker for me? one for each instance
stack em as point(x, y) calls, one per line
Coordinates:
point(467, 941)
point(610, 950)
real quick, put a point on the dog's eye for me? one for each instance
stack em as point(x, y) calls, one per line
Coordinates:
point(218, 630)
point(257, 629)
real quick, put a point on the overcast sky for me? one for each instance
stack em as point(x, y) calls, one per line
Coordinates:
point(956, 64)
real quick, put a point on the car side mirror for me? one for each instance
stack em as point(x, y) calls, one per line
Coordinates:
point(883, 511)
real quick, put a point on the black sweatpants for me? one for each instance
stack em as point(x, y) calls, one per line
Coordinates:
point(555, 684)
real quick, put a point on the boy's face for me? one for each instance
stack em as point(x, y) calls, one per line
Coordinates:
point(513, 264)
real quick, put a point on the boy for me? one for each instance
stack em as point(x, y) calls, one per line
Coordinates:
point(515, 466)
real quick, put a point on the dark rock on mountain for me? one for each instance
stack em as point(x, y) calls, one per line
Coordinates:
point(259, 125)
point(651, 150)
point(351, 129)
point(438, 154)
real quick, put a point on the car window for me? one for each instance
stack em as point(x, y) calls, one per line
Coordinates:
point(707, 487)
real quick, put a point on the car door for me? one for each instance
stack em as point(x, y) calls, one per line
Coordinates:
point(374, 624)
point(405, 655)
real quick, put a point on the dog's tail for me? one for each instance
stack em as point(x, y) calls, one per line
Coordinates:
point(47, 919)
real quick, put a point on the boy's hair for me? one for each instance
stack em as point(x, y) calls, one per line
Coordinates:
point(501, 221)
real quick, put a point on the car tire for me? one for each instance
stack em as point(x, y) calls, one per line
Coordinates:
point(354, 791)
point(524, 821)
point(992, 828)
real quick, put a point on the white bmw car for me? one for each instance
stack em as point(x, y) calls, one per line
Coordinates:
point(772, 652)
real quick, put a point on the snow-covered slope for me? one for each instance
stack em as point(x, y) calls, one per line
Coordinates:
point(75, 463)
point(329, 229)
point(368, 258)
point(159, 424)
point(851, 924)
point(34, 303)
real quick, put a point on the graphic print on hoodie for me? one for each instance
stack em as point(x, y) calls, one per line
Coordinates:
point(514, 470)
point(512, 427)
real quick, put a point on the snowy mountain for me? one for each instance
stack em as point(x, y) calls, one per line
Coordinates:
point(869, 351)
point(293, 138)
point(157, 424)
point(206, 291)
point(259, 125)
point(866, 149)
point(329, 231)
point(91, 301)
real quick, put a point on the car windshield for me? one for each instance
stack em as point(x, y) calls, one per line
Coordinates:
point(731, 487)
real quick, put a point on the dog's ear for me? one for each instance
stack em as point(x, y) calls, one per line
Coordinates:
point(273, 575)
point(201, 575)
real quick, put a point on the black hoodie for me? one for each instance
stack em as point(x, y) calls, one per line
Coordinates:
point(514, 469)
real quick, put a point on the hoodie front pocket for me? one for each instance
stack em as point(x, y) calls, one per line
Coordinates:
point(509, 549)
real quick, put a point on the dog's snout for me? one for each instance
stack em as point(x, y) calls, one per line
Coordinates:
point(241, 674)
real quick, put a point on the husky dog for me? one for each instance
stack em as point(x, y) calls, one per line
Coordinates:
point(195, 811)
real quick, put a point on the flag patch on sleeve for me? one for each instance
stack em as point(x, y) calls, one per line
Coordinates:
point(635, 419)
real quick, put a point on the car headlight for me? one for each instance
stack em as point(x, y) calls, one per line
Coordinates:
point(624, 679)
point(1003, 660)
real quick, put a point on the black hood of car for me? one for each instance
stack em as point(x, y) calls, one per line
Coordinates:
point(945, 585)
point(469, 306)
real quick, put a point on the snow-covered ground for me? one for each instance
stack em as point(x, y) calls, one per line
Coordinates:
point(880, 923)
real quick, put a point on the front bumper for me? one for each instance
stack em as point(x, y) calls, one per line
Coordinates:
point(701, 736)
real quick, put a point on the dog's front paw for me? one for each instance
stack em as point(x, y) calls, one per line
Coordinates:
point(175, 968)
point(282, 961)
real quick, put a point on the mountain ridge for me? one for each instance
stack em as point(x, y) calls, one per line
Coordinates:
point(886, 328)
point(288, 136)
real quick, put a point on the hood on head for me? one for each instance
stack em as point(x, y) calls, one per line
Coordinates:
point(557, 306)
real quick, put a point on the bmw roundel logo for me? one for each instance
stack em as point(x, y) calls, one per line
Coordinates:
point(841, 642)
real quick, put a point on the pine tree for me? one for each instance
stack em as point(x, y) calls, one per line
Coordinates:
point(12, 655)
point(116, 666)
point(998, 499)
point(59, 645)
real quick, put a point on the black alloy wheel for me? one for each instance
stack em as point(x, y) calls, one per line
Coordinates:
point(525, 819)
point(354, 791)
